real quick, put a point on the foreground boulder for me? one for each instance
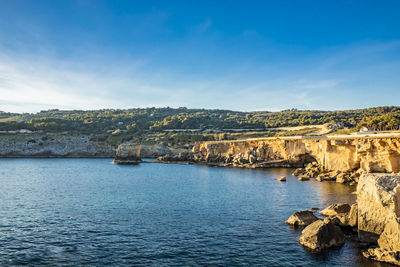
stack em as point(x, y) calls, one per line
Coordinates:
point(127, 153)
point(302, 218)
point(319, 236)
point(378, 199)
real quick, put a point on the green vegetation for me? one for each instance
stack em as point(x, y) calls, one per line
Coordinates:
point(168, 125)
point(382, 122)
point(157, 119)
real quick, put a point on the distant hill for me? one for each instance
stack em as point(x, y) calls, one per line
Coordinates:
point(139, 120)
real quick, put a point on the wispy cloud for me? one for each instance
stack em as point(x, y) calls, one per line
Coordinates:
point(35, 82)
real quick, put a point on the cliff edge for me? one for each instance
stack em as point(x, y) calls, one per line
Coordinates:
point(348, 153)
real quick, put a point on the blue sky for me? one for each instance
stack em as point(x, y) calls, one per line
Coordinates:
point(239, 55)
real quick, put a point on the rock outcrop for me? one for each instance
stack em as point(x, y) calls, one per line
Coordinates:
point(127, 153)
point(185, 156)
point(378, 200)
point(54, 146)
point(159, 150)
point(336, 209)
point(375, 216)
point(337, 158)
point(281, 178)
point(302, 218)
point(389, 245)
point(390, 237)
point(384, 255)
point(320, 235)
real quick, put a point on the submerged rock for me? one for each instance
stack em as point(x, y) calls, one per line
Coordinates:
point(302, 218)
point(319, 236)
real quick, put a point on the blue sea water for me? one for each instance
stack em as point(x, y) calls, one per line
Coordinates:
point(90, 212)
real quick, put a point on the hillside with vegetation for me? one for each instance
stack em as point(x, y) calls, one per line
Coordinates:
point(183, 125)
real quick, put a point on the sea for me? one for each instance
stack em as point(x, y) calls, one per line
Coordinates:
point(91, 212)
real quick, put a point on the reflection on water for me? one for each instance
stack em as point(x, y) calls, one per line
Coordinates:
point(329, 191)
point(92, 212)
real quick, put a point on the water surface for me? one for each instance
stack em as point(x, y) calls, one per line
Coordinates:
point(92, 212)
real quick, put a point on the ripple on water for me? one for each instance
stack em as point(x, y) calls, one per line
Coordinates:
point(89, 212)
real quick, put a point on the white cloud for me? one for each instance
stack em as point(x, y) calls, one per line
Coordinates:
point(31, 83)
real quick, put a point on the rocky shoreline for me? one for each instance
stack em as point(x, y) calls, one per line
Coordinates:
point(60, 147)
point(342, 160)
point(374, 220)
point(344, 154)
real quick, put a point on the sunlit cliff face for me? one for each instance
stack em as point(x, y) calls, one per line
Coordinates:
point(367, 154)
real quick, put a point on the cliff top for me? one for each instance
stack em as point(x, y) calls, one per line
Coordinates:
point(329, 137)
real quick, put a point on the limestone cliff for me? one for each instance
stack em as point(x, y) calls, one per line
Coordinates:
point(60, 146)
point(350, 153)
point(378, 201)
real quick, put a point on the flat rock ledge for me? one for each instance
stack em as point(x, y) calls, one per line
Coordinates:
point(314, 170)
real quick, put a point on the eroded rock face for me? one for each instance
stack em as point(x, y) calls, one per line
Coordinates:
point(180, 157)
point(366, 154)
point(380, 254)
point(352, 218)
point(302, 218)
point(390, 237)
point(389, 245)
point(55, 146)
point(319, 235)
point(378, 199)
point(127, 153)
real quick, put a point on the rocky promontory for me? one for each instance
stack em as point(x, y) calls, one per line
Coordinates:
point(375, 218)
point(127, 153)
point(342, 158)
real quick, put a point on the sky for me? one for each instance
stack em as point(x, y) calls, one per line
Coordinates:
point(238, 55)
